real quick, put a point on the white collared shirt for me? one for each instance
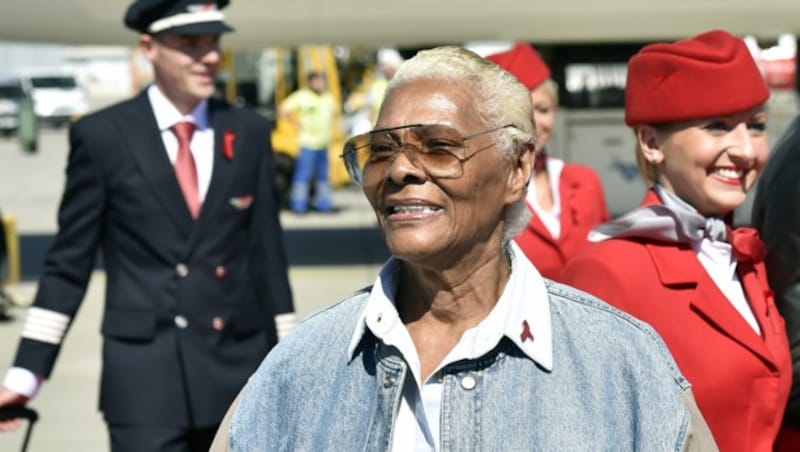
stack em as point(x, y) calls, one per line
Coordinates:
point(551, 219)
point(524, 299)
point(202, 144)
point(718, 260)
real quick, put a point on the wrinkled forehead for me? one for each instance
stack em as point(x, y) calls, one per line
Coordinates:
point(430, 101)
point(418, 132)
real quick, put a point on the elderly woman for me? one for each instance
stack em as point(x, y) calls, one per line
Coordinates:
point(566, 199)
point(696, 107)
point(460, 344)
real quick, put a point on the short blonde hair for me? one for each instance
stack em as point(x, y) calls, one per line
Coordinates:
point(550, 88)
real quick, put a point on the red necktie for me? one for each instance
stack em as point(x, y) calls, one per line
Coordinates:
point(185, 169)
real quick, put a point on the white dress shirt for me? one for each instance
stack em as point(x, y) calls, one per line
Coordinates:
point(718, 260)
point(524, 299)
point(202, 144)
point(551, 219)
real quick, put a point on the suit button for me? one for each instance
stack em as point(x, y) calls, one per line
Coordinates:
point(218, 323)
point(182, 270)
point(220, 271)
point(181, 322)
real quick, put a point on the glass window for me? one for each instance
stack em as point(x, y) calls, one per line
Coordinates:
point(53, 82)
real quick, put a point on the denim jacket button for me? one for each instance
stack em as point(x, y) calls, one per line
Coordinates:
point(388, 382)
point(468, 382)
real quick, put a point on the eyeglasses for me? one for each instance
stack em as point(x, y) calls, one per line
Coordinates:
point(438, 149)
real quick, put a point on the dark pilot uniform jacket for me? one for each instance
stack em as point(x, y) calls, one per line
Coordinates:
point(190, 304)
point(776, 214)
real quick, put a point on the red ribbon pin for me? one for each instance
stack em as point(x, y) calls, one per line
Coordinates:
point(227, 144)
point(526, 332)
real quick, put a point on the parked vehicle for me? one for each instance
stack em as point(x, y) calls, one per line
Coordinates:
point(57, 97)
point(10, 95)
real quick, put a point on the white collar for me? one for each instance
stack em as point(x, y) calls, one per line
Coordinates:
point(167, 115)
point(716, 255)
point(554, 168)
point(524, 299)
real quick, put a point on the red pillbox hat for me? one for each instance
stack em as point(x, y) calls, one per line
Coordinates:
point(524, 62)
point(711, 74)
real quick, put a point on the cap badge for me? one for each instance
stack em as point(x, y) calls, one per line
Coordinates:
point(208, 6)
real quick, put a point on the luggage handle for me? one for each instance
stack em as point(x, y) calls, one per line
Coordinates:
point(20, 411)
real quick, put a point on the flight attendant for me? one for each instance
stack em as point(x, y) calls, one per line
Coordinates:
point(565, 199)
point(696, 107)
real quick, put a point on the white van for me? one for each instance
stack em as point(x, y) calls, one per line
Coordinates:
point(10, 95)
point(57, 97)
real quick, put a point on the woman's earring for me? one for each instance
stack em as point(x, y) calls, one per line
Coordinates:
point(655, 158)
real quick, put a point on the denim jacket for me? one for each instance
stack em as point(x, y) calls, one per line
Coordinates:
point(613, 387)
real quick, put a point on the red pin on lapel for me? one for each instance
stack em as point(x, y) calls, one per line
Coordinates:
point(227, 144)
point(526, 332)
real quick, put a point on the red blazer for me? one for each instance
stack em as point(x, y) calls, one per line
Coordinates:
point(583, 206)
point(740, 380)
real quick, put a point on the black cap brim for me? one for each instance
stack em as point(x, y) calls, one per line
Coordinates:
point(200, 28)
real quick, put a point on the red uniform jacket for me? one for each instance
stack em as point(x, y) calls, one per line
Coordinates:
point(740, 380)
point(583, 206)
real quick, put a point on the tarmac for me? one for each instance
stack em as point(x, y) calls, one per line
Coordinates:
point(330, 256)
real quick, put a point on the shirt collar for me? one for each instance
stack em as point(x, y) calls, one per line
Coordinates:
point(522, 313)
point(167, 115)
point(554, 168)
point(717, 254)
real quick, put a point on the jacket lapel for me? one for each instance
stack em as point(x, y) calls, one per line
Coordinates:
point(538, 227)
point(139, 132)
point(222, 120)
point(678, 266)
point(568, 188)
point(762, 301)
